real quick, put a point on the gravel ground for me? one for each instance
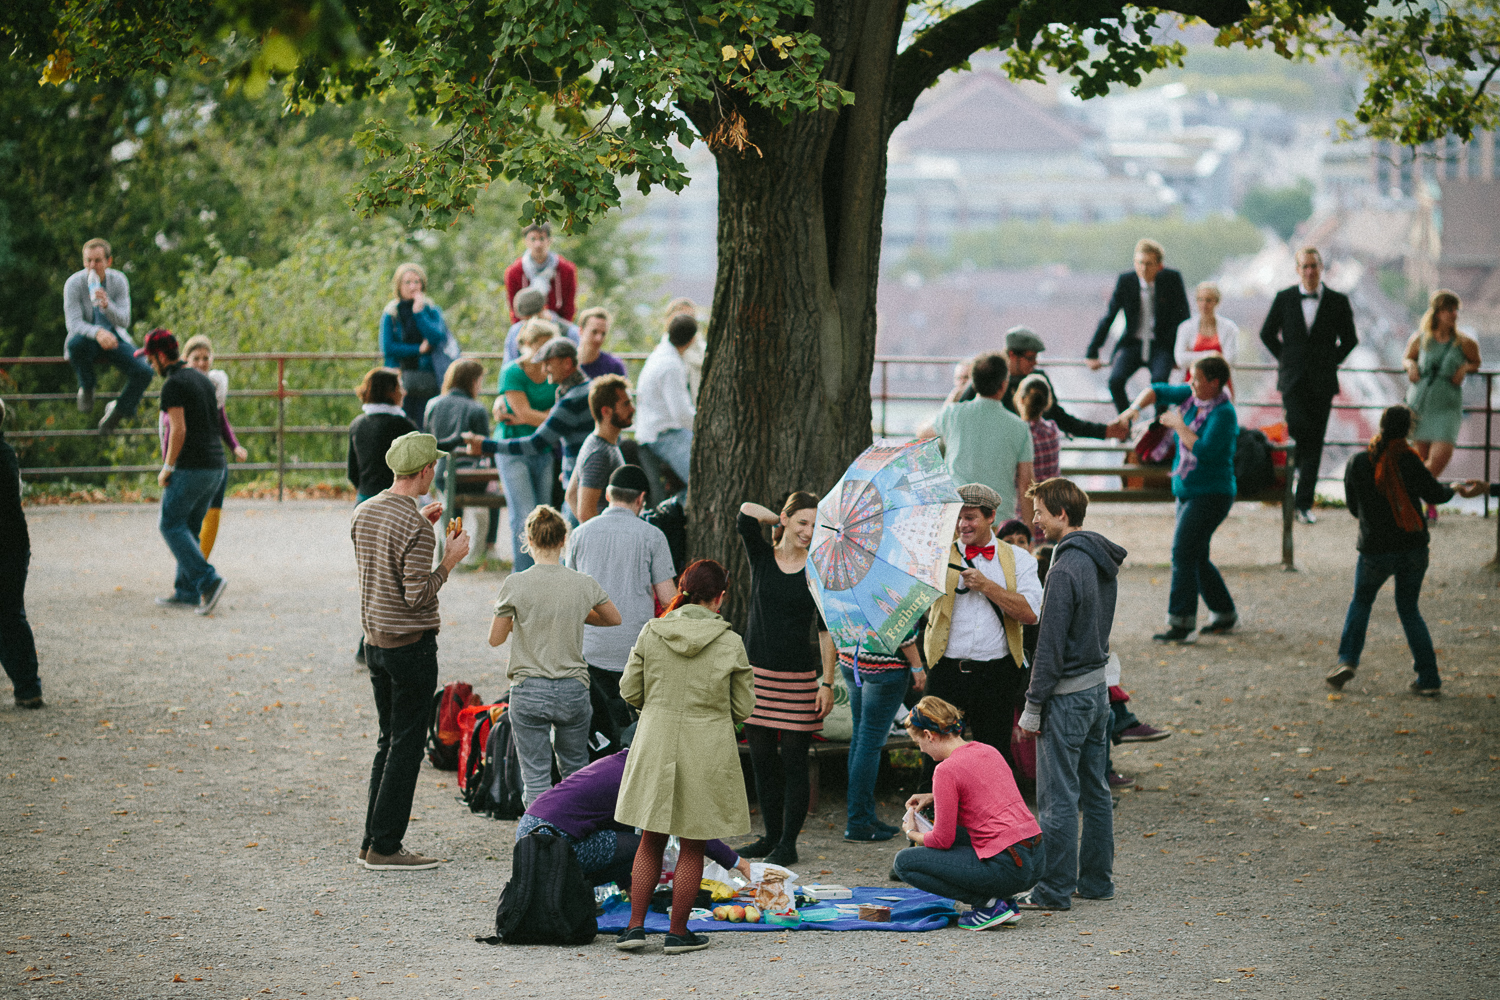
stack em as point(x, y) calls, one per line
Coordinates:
point(182, 820)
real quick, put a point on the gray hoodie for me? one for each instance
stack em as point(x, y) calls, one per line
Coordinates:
point(1078, 611)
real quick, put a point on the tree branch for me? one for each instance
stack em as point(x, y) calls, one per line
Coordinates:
point(954, 39)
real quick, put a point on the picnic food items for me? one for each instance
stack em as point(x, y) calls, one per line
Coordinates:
point(455, 526)
point(752, 915)
point(771, 892)
point(877, 914)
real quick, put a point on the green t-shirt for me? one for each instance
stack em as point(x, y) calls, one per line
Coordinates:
point(549, 604)
point(983, 442)
point(541, 395)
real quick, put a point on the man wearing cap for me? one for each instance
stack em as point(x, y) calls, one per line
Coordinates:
point(398, 610)
point(631, 560)
point(1021, 349)
point(192, 471)
point(548, 272)
point(532, 304)
point(983, 442)
point(569, 421)
point(974, 643)
point(599, 456)
point(96, 310)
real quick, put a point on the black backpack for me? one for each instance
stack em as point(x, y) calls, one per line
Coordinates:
point(671, 517)
point(497, 789)
point(1253, 470)
point(547, 900)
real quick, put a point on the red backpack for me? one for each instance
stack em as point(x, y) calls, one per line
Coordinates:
point(443, 731)
point(474, 722)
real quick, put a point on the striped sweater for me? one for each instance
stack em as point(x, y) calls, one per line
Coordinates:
point(398, 588)
point(567, 424)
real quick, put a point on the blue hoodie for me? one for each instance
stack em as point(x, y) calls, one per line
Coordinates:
point(1078, 611)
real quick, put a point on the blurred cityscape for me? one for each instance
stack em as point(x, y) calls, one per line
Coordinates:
point(1014, 204)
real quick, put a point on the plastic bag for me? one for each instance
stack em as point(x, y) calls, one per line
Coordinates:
point(916, 821)
point(775, 886)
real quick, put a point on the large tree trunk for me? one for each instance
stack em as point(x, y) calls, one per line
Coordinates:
point(785, 399)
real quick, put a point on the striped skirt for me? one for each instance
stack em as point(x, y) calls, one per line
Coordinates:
point(786, 699)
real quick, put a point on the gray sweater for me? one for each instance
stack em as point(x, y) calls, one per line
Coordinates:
point(78, 305)
point(1078, 611)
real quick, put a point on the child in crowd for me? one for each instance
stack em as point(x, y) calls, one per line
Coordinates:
point(199, 353)
point(1033, 397)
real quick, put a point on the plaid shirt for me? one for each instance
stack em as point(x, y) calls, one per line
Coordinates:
point(1046, 444)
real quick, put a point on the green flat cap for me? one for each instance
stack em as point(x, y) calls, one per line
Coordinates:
point(410, 453)
point(1021, 339)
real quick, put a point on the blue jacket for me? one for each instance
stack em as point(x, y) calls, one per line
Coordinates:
point(393, 345)
point(1214, 448)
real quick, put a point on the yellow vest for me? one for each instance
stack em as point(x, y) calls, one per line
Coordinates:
point(940, 615)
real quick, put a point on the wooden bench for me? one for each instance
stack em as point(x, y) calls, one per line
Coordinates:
point(833, 749)
point(1156, 486)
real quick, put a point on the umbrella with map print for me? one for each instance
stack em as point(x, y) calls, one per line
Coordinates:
point(880, 544)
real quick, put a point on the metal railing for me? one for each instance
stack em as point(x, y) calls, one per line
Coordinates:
point(881, 397)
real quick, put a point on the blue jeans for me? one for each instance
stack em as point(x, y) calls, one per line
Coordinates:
point(959, 873)
point(403, 680)
point(528, 481)
point(1127, 360)
point(547, 715)
point(1192, 572)
point(1070, 763)
point(1370, 574)
point(675, 447)
point(874, 709)
point(84, 353)
point(183, 504)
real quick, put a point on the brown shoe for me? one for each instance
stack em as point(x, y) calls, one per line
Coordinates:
point(402, 861)
point(363, 853)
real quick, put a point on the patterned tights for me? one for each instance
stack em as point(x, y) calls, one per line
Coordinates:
point(686, 881)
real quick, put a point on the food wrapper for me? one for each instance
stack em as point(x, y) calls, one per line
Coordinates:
point(774, 887)
point(916, 821)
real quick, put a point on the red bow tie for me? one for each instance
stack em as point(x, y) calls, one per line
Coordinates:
point(974, 551)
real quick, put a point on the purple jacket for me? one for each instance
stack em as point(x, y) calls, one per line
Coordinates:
point(584, 803)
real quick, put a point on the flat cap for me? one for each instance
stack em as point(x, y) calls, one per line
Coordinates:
point(529, 301)
point(1020, 339)
point(410, 453)
point(557, 347)
point(979, 495)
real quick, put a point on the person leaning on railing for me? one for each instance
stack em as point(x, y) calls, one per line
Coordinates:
point(412, 335)
point(1439, 356)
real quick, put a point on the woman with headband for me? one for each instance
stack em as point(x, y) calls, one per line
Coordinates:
point(984, 847)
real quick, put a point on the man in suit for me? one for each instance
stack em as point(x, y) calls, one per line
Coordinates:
point(1154, 301)
point(1310, 330)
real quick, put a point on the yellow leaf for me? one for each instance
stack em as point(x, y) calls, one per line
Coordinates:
point(58, 68)
point(729, 53)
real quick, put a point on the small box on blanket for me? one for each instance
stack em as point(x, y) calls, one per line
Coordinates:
point(819, 890)
point(876, 914)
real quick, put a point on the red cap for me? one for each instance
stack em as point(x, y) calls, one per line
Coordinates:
point(159, 341)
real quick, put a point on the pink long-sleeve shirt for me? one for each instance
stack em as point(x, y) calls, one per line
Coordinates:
point(974, 789)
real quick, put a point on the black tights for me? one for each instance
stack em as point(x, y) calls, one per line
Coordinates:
point(779, 759)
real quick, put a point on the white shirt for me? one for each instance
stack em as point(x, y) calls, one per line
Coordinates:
point(1310, 306)
point(1148, 318)
point(1187, 334)
point(663, 397)
point(975, 632)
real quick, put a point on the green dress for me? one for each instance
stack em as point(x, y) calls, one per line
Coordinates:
point(1436, 401)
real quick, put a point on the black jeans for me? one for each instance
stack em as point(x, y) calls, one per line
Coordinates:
point(1307, 424)
point(17, 644)
point(988, 692)
point(404, 680)
point(779, 760)
point(1127, 360)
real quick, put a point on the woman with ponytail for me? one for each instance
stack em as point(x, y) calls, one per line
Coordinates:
point(1382, 486)
point(790, 699)
point(690, 678)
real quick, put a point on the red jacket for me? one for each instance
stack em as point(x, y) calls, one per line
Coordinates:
point(562, 299)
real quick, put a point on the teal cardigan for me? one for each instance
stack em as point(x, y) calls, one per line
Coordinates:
point(1214, 448)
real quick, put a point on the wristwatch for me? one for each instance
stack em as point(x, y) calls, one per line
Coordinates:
point(824, 684)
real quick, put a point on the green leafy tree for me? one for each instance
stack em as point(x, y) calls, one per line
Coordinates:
point(1281, 210)
point(797, 99)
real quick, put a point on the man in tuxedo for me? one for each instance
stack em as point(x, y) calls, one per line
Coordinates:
point(1310, 330)
point(1154, 301)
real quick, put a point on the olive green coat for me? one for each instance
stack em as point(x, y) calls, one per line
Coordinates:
point(691, 679)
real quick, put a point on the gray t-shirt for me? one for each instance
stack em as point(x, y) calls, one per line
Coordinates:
point(549, 604)
point(597, 461)
point(628, 557)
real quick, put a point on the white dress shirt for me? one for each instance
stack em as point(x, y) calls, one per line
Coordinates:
point(1310, 305)
point(1148, 318)
point(663, 396)
point(975, 632)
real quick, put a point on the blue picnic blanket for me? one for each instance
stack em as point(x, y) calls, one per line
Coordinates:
point(915, 911)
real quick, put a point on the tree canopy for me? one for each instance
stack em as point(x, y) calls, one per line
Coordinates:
point(570, 97)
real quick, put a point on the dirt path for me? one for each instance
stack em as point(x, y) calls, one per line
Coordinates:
point(182, 820)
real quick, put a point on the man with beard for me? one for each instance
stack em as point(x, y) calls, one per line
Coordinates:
point(599, 456)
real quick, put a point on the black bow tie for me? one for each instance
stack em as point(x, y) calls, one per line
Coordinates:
point(1309, 295)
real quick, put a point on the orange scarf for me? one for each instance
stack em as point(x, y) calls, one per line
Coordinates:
point(1388, 481)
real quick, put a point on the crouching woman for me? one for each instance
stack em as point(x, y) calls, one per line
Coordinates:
point(691, 679)
point(984, 847)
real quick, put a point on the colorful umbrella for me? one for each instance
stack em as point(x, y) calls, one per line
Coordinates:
point(880, 547)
